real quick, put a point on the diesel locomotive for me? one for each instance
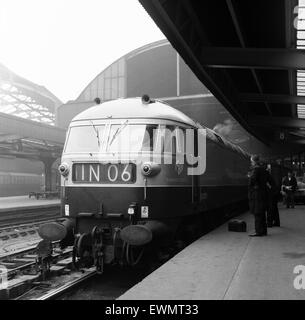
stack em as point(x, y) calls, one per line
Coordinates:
point(136, 173)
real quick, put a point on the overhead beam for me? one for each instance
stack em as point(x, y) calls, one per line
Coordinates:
point(18, 154)
point(272, 98)
point(282, 122)
point(291, 43)
point(258, 58)
point(297, 134)
point(241, 38)
point(33, 130)
point(8, 137)
point(28, 153)
point(216, 80)
point(299, 141)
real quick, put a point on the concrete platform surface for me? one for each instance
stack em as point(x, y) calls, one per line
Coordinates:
point(230, 265)
point(25, 201)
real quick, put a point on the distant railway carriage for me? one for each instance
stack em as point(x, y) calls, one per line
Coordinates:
point(115, 201)
point(17, 183)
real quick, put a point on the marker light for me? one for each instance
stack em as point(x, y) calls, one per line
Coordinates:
point(150, 169)
point(146, 99)
point(132, 209)
point(64, 169)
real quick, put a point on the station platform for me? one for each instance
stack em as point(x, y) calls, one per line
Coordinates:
point(13, 203)
point(225, 265)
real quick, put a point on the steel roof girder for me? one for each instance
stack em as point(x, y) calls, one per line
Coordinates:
point(258, 58)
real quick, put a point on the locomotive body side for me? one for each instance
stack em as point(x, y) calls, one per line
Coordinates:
point(225, 181)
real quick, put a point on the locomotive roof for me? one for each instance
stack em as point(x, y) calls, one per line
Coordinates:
point(133, 108)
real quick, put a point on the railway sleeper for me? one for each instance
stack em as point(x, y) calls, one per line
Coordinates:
point(25, 280)
point(14, 235)
point(17, 286)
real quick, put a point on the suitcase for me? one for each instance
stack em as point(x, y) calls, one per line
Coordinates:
point(237, 226)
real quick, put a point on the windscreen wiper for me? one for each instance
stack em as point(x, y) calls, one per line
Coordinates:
point(97, 134)
point(118, 130)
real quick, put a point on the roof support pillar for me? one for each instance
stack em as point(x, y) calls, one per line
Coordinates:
point(48, 162)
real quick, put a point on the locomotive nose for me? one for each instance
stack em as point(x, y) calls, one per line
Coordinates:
point(141, 234)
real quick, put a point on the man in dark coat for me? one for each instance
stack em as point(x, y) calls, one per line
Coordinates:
point(273, 216)
point(258, 195)
point(289, 186)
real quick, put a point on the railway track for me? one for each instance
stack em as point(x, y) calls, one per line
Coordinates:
point(19, 268)
point(21, 276)
point(27, 282)
point(59, 286)
point(15, 216)
point(25, 279)
point(21, 230)
point(19, 238)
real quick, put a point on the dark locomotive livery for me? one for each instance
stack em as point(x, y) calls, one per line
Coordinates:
point(116, 203)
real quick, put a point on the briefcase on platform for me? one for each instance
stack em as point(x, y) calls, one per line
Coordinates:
point(237, 226)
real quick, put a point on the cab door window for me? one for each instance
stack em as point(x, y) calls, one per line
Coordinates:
point(173, 140)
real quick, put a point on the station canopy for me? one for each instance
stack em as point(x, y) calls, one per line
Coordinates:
point(249, 54)
point(27, 114)
point(25, 99)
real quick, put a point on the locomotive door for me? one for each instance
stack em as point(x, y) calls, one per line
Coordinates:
point(174, 140)
point(183, 152)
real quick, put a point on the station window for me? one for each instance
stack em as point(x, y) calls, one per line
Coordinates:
point(121, 65)
point(121, 87)
point(101, 84)
point(108, 85)
point(107, 92)
point(114, 81)
point(114, 88)
point(94, 89)
point(114, 70)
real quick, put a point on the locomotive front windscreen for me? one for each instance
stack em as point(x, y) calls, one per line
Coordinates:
point(85, 139)
point(132, 138)
point(118, 138)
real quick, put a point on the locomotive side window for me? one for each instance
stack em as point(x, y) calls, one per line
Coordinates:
point(170, 140)
point(181, 140)
point(173, 140)
point(85, 139)
point(132, 138)
point(150, 138)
